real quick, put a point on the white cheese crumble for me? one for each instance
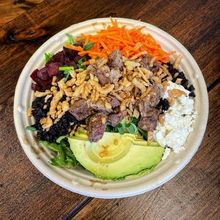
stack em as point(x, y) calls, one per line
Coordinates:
point(177, 121)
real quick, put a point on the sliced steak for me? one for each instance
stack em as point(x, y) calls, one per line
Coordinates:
point(96, 127)
point(115, 60)
point(113, 101)
point(155, 68)
point(115, 118)
point(80, 109)
point(115, 75)
point(102, 73)
point(100, 107)
point(150, 100)
point(136, 91)
point(145, 62)
point(149, 122)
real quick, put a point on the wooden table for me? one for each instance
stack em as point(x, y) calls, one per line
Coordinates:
point(25, 193)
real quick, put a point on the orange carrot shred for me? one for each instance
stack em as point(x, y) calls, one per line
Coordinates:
point(129, 41)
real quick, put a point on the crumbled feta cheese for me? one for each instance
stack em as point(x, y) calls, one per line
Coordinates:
point(177, 121)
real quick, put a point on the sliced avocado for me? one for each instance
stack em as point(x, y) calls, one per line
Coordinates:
point(116, 156)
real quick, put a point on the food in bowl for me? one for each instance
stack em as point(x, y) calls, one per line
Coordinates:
point(113, 102)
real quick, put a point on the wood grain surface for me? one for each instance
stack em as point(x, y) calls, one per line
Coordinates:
point(25, 193)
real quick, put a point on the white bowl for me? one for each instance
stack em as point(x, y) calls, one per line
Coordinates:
point(78, 180)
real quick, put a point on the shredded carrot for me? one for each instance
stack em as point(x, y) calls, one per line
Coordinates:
point(77, 48)
point(86, 62)
point(130, 42)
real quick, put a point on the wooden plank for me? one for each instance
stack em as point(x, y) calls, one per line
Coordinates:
point(24, 192)
point(192, 194)
point(9, 9)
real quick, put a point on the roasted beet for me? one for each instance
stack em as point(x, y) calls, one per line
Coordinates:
point(53, 69)
point(69, 62)
point(58, 58)
point(44, 84)
point(71, 54)
point(43, 74)
point(34, 74)
point(77, 58)
point(35, 87)
point(43, 77)
point(41, 84)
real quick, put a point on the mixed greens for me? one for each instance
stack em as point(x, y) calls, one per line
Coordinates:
point(63, 155)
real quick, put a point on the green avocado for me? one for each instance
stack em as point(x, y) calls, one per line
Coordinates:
point(116, 155)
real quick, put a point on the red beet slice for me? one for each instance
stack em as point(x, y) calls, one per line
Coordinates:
point(53, 69)
point(42, 74)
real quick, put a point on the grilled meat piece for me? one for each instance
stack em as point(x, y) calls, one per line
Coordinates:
point(113, 101)
point(150, 101)
point(96, 127)
point(81, 110)
point(115, 60)
point(115, 118)
point(149, 122)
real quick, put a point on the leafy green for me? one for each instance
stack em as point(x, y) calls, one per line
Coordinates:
point(59, 139)
point(109, 128)
point(70, 39)
point(134, 120)
point(80, 64)
point(66, 71)
point(30, 128)
point(66, 75)
point(48, 57)
point(64, 68)
point(143, 133)
point(64, 157)
point(121, 128)
point(88, 46)
point(130, 126)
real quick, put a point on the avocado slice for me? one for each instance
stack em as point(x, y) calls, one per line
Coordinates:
point(116, 155)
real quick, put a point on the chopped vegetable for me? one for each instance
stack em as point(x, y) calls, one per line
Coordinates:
point(143, 133)
point(130, 126)
point(88, 46)
point(66, 75)
point(131, 42)
point(48, 57)
point(64, 68)
point(59, 139)
point(81, 64)
point(72, 47)
point(30, 128)
point(64, 157)
point(70, 39)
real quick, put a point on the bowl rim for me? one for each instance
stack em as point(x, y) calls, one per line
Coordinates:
point(91, 192)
